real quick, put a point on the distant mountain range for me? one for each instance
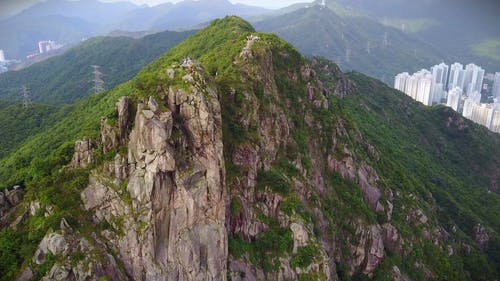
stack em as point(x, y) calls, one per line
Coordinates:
point(466, 29)
point(379, 38)
point(355, 43)
point(71, 21)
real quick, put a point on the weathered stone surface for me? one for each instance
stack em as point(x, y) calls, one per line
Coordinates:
point(299, 235)
point(369, 251)
point(376, 251)
point(247, 50)
point(171, 73)
point(34, 206)
point(418, 217)
point(123, 109)
point(391, 238)
point(15, 195)
point(397, 275)
point(120, 168)
point(367, 178)
point(346, 167)
point(110, 139)
point(481, 236)
point(27, 275)
point(174, 227)
point(84, 154)
point(242, 271)
point(104, 202)
point(54, 243)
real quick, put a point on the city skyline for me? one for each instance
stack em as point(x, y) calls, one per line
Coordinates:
point(465, 86)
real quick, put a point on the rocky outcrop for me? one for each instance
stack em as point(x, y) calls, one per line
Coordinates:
point(9, 202)
point(53, 243)
point(392, 239)
point(77, 258)
point(84, 154)
point(397, 275)
point(299, 235)
point(481, 236)
point(124, 111)
point(369, 251)
point(247, 50)
point(169, 220)
point(109, 136)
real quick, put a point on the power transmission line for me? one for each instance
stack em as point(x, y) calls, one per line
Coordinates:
point(348, 54)
point(25, 94)
point(386, 40)
point(98, 82)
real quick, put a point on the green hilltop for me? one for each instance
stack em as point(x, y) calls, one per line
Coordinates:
point(342, 157)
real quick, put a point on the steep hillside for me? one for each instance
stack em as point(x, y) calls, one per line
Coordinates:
point(18, 123)
point(232, 157)
point(355, 43)
point(67, 78)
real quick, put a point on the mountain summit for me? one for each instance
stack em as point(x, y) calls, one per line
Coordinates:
point(232, 157)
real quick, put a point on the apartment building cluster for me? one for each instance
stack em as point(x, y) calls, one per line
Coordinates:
point(455, 86)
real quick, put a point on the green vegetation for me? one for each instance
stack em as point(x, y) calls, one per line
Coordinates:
point(425, 156)
point(264, 251)
point(305, 256)
point(18, 123)
point(67, 78)
point(274, 180)
point(433, 153)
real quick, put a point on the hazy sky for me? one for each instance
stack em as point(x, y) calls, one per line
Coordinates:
point(262, 3)
point(9, 7)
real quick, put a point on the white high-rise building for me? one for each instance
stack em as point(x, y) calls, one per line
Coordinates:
point(473, 81)
point(2, 56)
point(495, 122)
point(496, 86)
point(424, 92)
point(457, 76)
point(400, 81)
point(454, 98)
point(411, 86)
point(438, 93)
point(482, 114)
point(418, 86)
point(469, 102)
point(440, 74)
point(47, 46)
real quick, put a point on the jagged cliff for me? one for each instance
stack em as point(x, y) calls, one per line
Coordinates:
point(232, 157)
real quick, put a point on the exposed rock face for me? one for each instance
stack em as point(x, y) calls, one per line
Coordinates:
point(369, 252)
point(481, 236)
point(64, 244)
point(391, 238)
point(299, 235)
point(397, 275)
point(123, 108)
point(52, 243)
point(9, 201)
point(109, 136)
point(84, 154)
point(174, 224)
